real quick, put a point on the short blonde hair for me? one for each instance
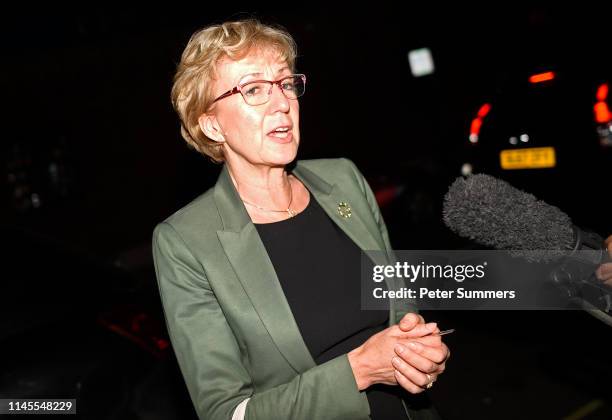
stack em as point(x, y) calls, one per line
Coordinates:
point(192, 89)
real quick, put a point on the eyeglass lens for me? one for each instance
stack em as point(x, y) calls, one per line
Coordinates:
point(256, 93)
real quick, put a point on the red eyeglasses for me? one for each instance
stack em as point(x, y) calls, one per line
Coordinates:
point(258, 92)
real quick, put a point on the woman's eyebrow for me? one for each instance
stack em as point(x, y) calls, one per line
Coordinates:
point(278, 72)
point(241, 78)
point(251, 74)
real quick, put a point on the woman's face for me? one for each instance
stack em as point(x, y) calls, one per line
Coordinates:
point(249, 131)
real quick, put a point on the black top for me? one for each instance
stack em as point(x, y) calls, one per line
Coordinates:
point(319, 269)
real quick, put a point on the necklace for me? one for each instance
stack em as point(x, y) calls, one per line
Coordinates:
point(288, 210)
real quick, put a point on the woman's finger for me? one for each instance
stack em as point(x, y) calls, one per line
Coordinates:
point(420, 330)
point(435, 355)
point(415, 359)
point(432, 340)
point(441, 369)
point(409, 321)
point(406, 383)
point(410, 372)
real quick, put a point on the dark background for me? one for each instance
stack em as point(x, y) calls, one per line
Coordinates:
point(93, 159)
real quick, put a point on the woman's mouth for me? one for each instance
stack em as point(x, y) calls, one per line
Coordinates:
point(281, 135)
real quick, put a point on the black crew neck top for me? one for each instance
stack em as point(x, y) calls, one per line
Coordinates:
point(319, 269)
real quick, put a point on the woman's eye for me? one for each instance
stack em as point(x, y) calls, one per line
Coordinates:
point(288, 86)
point(252, 91)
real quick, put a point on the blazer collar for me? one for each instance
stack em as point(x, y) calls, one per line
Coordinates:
point(253, 266)
point(235, 218)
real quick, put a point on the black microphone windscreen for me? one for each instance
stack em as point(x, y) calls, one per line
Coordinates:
point(494, 213)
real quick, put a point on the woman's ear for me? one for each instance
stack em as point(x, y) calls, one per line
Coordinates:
point(211, 128)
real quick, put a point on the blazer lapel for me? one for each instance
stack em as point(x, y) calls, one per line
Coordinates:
point(330, 197)
point(253, 267)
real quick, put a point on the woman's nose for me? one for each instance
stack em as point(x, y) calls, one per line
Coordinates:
point(278, 100)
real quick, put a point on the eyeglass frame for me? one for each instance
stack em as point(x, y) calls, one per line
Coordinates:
point(238, 88)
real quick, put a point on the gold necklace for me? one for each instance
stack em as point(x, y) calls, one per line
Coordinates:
point(288, 210)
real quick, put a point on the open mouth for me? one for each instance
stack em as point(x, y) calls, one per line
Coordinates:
point(280, 132)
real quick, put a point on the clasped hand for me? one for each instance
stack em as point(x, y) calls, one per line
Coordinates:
point(409, 354)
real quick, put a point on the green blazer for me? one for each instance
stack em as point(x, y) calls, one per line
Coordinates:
point(229, 322)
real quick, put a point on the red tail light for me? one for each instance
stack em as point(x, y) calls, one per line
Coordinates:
point(477, 122)
point(601, 110)
point(542, 77)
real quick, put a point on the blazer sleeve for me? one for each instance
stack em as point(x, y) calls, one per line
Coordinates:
point(210, 357)
point(402, 306)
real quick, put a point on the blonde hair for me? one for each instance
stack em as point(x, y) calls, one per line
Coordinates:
point(192, 88)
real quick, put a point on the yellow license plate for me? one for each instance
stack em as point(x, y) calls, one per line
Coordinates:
point(532, 158)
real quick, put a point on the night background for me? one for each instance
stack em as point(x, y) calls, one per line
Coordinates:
point(92, 160)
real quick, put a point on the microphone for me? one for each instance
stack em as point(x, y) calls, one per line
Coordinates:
point(493, 213)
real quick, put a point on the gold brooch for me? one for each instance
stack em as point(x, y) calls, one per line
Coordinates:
point(344, 209)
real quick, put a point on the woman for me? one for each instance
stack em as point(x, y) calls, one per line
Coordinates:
point(259, 275)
